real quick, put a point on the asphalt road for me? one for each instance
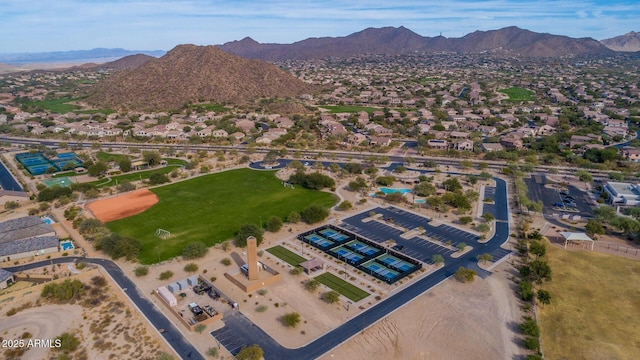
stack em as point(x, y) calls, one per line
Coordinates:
point(239, 331)
point(181, 346)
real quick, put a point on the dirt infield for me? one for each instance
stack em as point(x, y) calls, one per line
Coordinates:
point(122, 206)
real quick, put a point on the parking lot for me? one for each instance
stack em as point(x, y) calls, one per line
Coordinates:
point(417, 248)
point(559, 199)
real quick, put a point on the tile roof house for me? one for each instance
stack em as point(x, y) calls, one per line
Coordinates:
point(438, 144)
point(631, 154)
point(463, 145)
point(489, 147)
point(511, 143)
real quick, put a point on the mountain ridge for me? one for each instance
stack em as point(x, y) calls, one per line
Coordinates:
point(629, 42)
point(399, 40)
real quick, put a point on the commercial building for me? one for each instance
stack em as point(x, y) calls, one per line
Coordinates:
point(26, 236)
point(6, 278)
point(622, 194)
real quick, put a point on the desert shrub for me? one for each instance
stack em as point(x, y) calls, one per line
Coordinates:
point(225, 261)
point(141, 271)
point(191, 267)
point(165, 275)
point(291, 319)
point(194, 250)
point(465, 275)
point(68, 342)
point(331, 297)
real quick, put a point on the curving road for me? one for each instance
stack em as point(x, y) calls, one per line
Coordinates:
point(175, 339)
point(239, 331)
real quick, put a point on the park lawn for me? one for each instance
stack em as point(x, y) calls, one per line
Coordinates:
point(595, 308)
point(64, 174)
point(211, 209)
point(132, 176)
point(108, 157)
point(286, 255)
point(58, 106)
point(350, 291)
point(211, 107)
point(518, 94)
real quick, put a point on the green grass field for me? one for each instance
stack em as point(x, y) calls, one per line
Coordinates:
point(211, 209)
point(518, 94)
point(286, 255)
point(210, 107)
point(595, 306)
point(107, 157)
point(59, 106)
point(352, 292)
point(139, 175)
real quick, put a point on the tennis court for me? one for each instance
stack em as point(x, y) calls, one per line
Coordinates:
point(319, 240)
point(396, 263)
point(381, 270)
point(349, 255)
point(61, 181)
point(362, 248)
point(333, 234)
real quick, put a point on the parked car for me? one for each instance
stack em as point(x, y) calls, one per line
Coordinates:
point(564, 192)
point(570, 198)
point(398, 247)
point(559, 204)
point(571, 204)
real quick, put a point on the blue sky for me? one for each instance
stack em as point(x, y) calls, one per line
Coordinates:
point(56, 25)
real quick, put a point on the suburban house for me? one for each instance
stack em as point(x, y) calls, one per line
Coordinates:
point(631, 154)
point(438, 144)
point(489, 147)
point(220, 133)
point(511, 143)
point(463, 145)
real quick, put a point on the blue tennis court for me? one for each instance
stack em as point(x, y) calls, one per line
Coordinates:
point(67, 155)
point(347, 254)
point(381, 270)
point(362, 248)
point(319, 240)
point(333, 234)
point(396, 263)
point(34, 161)
point(38, 169)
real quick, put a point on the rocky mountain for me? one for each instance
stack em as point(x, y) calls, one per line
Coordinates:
point(190, 73)
point(629, 42)
point(390, 40)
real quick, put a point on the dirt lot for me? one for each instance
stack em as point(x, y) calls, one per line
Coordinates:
point(122, 206)
point(452, 321)
point(110, 329)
